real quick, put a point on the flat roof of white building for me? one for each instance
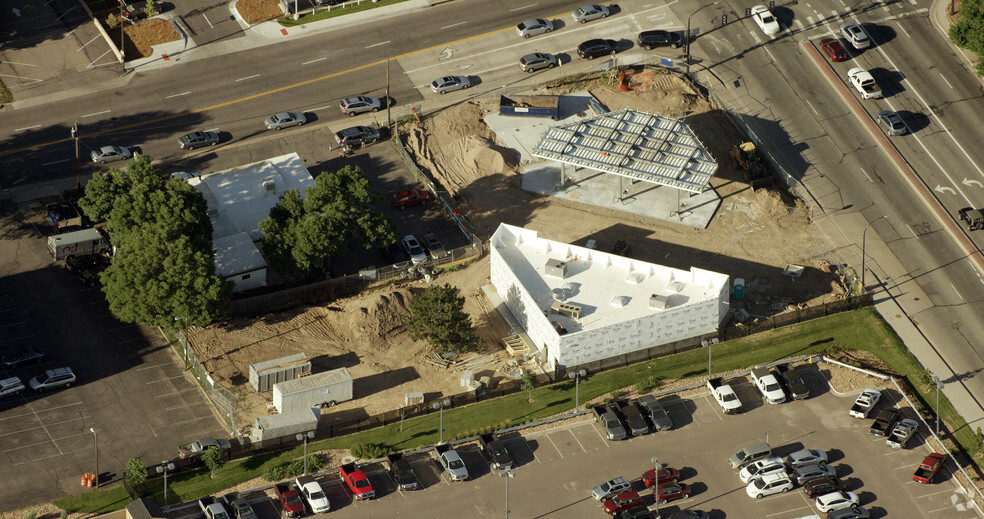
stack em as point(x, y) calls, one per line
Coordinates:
point(607, 288)
point(236, 254)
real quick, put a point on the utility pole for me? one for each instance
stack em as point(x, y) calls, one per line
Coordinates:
point(122, 33)
point(389, 123)
point(78, 173)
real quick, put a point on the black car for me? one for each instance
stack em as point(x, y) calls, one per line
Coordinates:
point(821, 486)
point(651, 39)
point(23, 356)
point(656, 413)
point(792, 382)
point(80, 263)
point(394, 253)
point(135, 10)
point(402, 472)
point(591, 49)
point(90, 277)
point(639, 512)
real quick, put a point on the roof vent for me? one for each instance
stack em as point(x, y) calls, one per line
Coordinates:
point(555, 268)
point(620, 301)
point(658, 302)
point(269, 186)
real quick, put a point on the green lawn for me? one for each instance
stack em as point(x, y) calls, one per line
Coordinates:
point(861, 329)
point(325, 13)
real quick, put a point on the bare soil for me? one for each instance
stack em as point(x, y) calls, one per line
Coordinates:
point(256, 11)
point(141, 37)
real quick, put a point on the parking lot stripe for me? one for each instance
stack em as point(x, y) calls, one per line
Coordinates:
point(947, 491)
point(578, 441)
point(555, 446)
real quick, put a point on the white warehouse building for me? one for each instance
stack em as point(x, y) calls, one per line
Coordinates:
point(580, 305)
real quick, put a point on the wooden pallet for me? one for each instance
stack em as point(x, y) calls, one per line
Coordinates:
point(516, 346)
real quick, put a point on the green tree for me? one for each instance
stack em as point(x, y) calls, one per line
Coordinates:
point(301, 232)
point(151, 9)
point(437, 315)
point(136, 472)
point(528, 384)
point(112, 21)
point(968, 32)
point(213, 459)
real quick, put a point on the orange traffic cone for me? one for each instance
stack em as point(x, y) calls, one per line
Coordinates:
point(85, 479)
point(92, 481)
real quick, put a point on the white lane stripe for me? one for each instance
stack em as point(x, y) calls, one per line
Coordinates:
point(453, 25)
point(28, 127)
point(177, 95)
point(248, 77)
point(521, 8)
point(94, 114)
point(314, 61)
point(378, 44)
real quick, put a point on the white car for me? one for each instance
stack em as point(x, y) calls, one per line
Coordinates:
point(768, 484)
point(856, 35)
point(533, 27)
point(413, 249)
point(765, 20)
point(865, 83)
point(760, 467)
point(11, 386)
point(447, 84)
point(804, 457)
point(836, 501)
point(456, 468)
point(586, 13)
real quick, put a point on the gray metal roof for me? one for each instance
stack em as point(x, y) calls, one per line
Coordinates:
point(633, 144)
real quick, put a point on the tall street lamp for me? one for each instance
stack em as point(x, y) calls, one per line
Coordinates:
point(508, 474)
point(939, 385)
point(656, 466)
point(576, 375)
point(95, 449)
point(305, 436)
point(441, 405)
point(165, 466)
point(863, 236)
point(688, 32)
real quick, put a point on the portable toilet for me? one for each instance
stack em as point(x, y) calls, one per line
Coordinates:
point(739, 291)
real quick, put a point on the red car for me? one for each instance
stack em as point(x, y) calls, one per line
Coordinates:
point(833, 49)
point(409, 197)
point(666, 475)
point(671, 492)
point(623, 501)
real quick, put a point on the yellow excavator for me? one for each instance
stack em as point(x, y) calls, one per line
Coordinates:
point(745, 157)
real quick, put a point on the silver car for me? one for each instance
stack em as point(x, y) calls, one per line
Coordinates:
point(856, 35)
point(537, 61)
point(456, 468)
point(805, 457)
point(414, 250)
point(110, 154)
point(534, 27)
point(53, 378)
point(194, 140)
point(359, 104)
point(284, 120)
point(450, 84)
point(808, 472)
point(892, 122)
point(586, 13)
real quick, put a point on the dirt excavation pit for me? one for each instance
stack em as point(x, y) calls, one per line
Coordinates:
point(753, 235)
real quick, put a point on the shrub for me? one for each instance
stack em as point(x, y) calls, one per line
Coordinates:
point(370, 451)
point(112, 21)
point(31, 515)
point(647, 384)
point(136, 472)
point(294, 468)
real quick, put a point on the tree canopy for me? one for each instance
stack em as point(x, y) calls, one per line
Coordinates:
point(301, 232)
point(163, 272)
point(437, 315)
point(968, 32)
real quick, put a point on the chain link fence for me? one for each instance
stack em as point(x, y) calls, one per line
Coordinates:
point(225, 400)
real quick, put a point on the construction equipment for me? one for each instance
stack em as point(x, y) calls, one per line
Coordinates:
point(973, 217)
point(744, 156)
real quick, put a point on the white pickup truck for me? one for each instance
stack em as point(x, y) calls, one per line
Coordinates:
point(725, 396)
point(865, 403)
point(768, 385)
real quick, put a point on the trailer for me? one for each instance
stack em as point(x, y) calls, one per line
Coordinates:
point(324, 390)
point(530, 106)
point(78, 243)
point(288, 425)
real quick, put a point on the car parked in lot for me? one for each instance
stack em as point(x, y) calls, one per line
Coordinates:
point(765, 20)
point(633, 418)
point(856, 35)
point(592, 49)
point(76, 264)
point(671, 492)
point(621, 502)
point(836, 500)
point(58, 377)
point(451, 461)
point(865, 83)
point(282, 120)
point(892, 122)
point(805, 457)
point(768, 484)
point(656, 413)
point(640, 511)
point(833, 49)
point(820, 486)
point(666, 475)
point(90, 276)
point(357, 135)
point(239, 507)
point(394, 253)
point(851, 512)
point(537, 61)
point(135, 10)
point(190, 141)
point(413, 249)
point(11, 386)
point(807, 472)
point(760, 467)
point(792, 382)
point(768, 385)
point(446, 84)
point(434, 246)
point(409, 198)
point(610, 488)
point(534, 27)
point(351, 106)
point(586, 13)
point(23, 356)
point(110, 154)
point(649, 40)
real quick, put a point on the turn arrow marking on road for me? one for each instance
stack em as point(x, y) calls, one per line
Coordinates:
point(967, 182)
point(447, 53)
point(941, 189)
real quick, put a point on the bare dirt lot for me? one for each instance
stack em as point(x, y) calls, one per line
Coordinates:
point(754, 235)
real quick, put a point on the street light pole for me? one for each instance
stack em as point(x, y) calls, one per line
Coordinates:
point(508, 474)
point(688, 32)
point(165, 466)
point(939, 385)
point(657, 466)
point(576, 376)
point(863, 236)
point(441, 405)
point(95, 449)
point(305, 436)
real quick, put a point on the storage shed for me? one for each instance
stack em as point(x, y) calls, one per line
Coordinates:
point(323, 389)
point(263, 375)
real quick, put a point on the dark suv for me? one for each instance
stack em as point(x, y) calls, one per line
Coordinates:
point(591, 49)
point(651, 39)
point(821, 486)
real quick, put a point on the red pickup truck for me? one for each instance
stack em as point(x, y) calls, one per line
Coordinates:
point(290, 500)
point(357, 482)
point(928, 468)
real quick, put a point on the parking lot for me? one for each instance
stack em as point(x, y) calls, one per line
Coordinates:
point(557, 468)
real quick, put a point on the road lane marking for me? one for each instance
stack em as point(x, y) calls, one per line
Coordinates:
point(314, 61)
point(945, 81)
point(453, 25)
point(28, 127)
point(177, 95)
point(94, 114)
point(811, 107)
point(55, 162)
point(207, 20)
point(248, 77)
point(521, 8)
point(955, 291)
point(903, 30)
point(378, 44)
point(866, 175)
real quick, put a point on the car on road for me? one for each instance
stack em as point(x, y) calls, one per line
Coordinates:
point(856, 35)
point(892, 122)
point(451, 461)
point(592, 49)
point(586, 13)
point(11, 386)
point(446, 84)
point(760, 467)
point(805, 457)
point(808, 472)
point(833, 49)
point(23, 356)
point(409, 198)
point(765, 20)
point(659, 38)
point(110, 154)
point(357, 136)
point(622, 502)
point(359, 104)
point(851, 512)
point(836, 500)
point(537, 61)
point(666, 475)
point(413, 249)
point(656, 413)
point(52, 378)
point(865, 83)
point(534, 27)
point(194, 140)
point(820, 486)
point(282, 120)
point(671, 492)
point(768, 484)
